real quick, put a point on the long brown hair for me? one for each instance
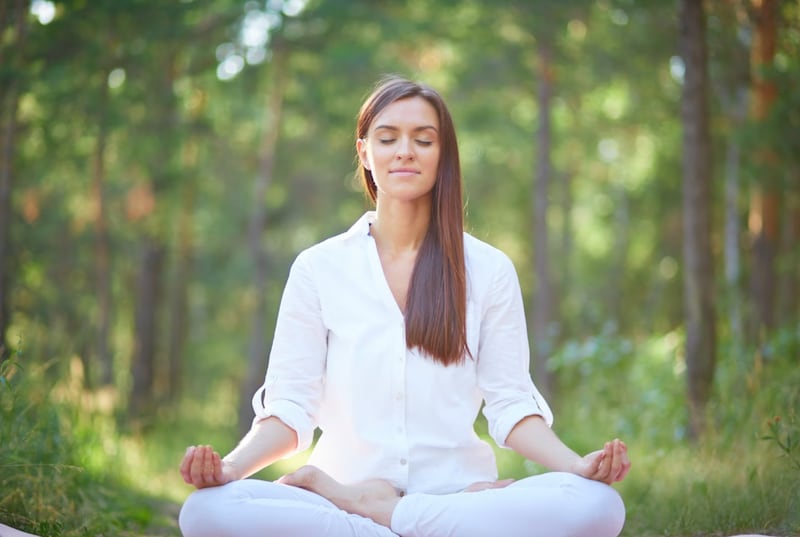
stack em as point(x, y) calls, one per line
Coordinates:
point(436, 305)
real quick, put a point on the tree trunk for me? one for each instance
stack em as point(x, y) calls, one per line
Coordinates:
point(179, 306)
point(12, 23)
point(697, 202)
point(148, 293)
point(789, 283)
point(619, 253)
point(764, 201)
point(567, 245)
point(257, 348)
point(543, 298)
point(102, 250)
point(9, 129)
point(163, 116)
point(733, 228)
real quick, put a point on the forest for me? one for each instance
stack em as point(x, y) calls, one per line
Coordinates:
point(162, 162)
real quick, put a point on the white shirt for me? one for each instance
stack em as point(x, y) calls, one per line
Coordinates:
point(339, 362)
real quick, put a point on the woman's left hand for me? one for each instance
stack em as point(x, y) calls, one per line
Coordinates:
point(609, 465)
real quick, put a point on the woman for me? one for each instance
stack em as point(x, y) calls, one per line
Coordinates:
point(389, 338)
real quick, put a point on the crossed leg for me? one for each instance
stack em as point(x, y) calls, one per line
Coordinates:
point(554, 504)
point(375, 499)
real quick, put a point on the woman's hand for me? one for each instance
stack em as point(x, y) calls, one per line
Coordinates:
point(203, 467)
point(609, 465)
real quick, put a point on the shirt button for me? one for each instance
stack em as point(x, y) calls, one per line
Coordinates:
point(403, 462)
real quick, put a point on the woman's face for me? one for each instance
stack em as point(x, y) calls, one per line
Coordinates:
point(401, 149)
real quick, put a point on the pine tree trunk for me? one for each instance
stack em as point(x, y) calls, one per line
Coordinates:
point(764, 201)
point(9, 129)
point(543, 297)
point(789, 281)
point(13, 27)
point(147, 376)
point(102, 251)
point(733, 228)
point(148, 293)
point(179, 305)
point(567, 245)
point(697, 202)
point(257, 348)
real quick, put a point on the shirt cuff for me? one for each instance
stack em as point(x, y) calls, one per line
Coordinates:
point(501, 426)
point(292, 415)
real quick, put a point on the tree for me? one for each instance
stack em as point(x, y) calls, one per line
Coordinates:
point(257, 349)
point(764, 218)
point(13, 23)
point(697, 203)
point(544, 293)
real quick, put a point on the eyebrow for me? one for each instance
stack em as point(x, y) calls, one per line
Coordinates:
point(416, 129)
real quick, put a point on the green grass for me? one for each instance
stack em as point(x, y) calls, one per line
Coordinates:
point(68, 469)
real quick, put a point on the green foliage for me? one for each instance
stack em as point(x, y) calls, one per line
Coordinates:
point(174, 131)
point(786, 436)
point(57, 468)
point(731, 481)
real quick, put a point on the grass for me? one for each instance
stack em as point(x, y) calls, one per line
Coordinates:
point(68, 469)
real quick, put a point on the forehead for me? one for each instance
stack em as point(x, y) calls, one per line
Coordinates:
point(413, 112)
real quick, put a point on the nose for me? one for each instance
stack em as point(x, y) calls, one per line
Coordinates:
point(405, 149)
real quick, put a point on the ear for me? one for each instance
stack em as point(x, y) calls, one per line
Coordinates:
point(361, 149)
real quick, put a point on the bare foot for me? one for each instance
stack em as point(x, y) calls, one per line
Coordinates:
point(375, 499)
point(483, 485)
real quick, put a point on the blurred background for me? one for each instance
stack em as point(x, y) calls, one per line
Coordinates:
point(163, 162)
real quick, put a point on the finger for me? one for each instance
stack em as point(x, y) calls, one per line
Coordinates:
point(615, 466)
point(217, 468)
point(625, 462)
point(208, 467)
point(186, 465)
point(198, 466)
point(595, 463)
point(604, 469)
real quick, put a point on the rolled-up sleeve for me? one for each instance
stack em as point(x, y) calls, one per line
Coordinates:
point(292, 389)
point(504, 358)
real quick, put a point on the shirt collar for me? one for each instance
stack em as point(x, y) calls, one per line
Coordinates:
point(361, 226)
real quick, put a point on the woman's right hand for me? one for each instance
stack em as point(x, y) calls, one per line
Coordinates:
point(203, 467)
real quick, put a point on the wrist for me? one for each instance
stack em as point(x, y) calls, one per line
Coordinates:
point(230, 470)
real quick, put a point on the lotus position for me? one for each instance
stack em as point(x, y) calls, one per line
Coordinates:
point(390, 338)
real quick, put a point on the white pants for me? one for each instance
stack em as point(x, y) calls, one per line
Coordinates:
point(547, 505)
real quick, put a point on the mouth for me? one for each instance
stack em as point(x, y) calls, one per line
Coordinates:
point(404, 171)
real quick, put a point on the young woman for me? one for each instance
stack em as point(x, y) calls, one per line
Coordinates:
point(389, 338)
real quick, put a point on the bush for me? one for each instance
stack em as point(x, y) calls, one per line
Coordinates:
point(54, 468)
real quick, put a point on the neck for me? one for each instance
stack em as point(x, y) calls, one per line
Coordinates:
point(400, 228)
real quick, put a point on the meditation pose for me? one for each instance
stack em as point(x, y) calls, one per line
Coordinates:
point(390, 338)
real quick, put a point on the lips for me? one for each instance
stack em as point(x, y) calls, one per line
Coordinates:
point(404, 171)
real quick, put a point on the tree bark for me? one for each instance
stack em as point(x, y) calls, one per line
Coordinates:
point(619, 252)
point(257, 348)
point(102, 249)
point(12, 22)
point(543, 298)
point(163, 117)
point(697, 202)
point(148, 293)
point(565, 282)
point(789, 282)
point(733, 227)
point(179, 306)
point(764, 201)
point(9, 129)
